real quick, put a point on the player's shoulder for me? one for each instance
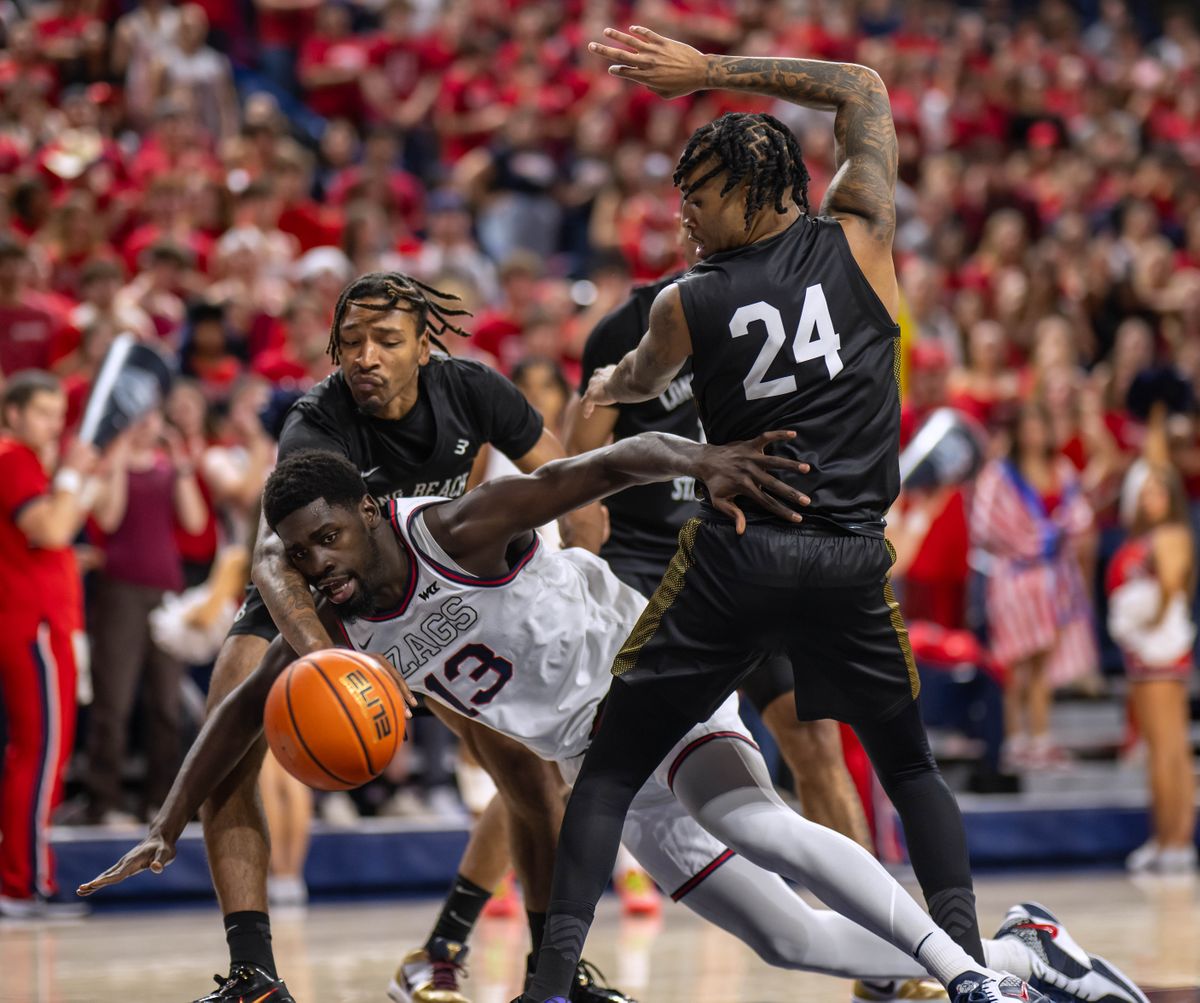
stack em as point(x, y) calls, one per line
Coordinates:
point(400, 510)
point(329, 397)
point(463, 375)
point(628, 321)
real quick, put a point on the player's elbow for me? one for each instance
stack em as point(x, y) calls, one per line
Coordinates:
point(265, 568)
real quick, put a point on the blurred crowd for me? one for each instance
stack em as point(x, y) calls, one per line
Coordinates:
point(207, 176)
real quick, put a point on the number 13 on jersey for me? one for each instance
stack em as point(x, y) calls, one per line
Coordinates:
point(805, 348)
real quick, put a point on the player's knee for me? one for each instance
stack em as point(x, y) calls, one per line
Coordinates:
point(541, 791)
point(784, 948)
point(239, 656)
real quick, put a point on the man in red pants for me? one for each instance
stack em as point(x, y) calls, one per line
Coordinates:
point(41, 611)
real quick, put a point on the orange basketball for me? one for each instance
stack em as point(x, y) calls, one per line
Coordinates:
point(334, 719)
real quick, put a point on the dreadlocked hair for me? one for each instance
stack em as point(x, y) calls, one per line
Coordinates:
point(756, 148)
point(398, 292)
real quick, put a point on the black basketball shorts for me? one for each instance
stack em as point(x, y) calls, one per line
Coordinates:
point(728, 604)
point(762, 687)
point(253, 617)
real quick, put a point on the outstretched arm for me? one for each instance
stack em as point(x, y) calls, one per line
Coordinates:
point(484, 521)
point(226, 736)
point(865, 154)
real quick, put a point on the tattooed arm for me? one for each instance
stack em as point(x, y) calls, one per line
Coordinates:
point(865, 135)
point(287, 595)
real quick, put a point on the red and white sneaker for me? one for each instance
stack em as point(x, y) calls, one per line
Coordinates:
point(1062, 969)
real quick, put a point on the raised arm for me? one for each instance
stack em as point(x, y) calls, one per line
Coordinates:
point(483, 522)
point(865, 154)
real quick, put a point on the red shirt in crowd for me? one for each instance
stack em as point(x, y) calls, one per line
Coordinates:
point(30, 337)
point(42, 584)
point(342, 100)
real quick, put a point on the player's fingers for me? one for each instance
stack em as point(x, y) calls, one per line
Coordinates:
point(615, 55)
point(647, 34)
point(780, 489)
point(119, 871)
point(633, 41)
point(776, 507)
point(771, 503)
point(782, 463)
point(725, 506)
point(775, 435)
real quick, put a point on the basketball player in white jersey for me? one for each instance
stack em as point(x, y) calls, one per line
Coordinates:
point(469, 608)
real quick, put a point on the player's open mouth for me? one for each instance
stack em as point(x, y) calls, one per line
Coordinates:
point(339, 590)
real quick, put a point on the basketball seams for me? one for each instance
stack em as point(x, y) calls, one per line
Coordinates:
point(349, 717)
point(287, 691)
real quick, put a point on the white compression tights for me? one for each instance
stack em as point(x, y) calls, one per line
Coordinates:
point(725, 786)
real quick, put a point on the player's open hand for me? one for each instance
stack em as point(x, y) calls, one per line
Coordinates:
point(152, 853)
point(410, 700)
point(597, 393)
point(743, 469)
point(668, 67)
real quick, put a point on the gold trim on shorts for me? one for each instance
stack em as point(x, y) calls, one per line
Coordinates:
point(662, 600)
point(897, 618)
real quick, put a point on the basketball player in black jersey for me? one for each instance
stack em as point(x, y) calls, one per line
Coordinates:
point(789, 320)
point(413, 421)
point(644, 529)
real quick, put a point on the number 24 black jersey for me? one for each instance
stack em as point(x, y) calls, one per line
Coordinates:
point(788, 334)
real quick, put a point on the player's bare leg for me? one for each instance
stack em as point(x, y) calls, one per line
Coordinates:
point(488, 857)
point(235, 827)
point(813, 752)
point(238, 843)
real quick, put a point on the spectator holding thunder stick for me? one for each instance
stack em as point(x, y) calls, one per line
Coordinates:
point(41, 617)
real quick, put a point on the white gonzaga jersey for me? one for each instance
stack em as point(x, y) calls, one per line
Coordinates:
point(527, 654)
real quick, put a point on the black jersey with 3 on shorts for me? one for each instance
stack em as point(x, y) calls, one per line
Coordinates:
point(788, 334)
point(461, 405)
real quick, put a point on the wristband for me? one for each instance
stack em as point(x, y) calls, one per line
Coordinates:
point(68, 480)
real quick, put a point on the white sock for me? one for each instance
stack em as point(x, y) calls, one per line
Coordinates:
point(945, 960)
point(1008, 955)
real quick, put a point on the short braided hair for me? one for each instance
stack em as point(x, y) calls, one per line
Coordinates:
point(306, 476)
point(756, 148)
point(399, 292)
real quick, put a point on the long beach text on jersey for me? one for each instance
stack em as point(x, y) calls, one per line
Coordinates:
point(450, 488)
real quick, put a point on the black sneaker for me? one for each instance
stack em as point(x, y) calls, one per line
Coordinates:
point(248, 984)
point(589, 987)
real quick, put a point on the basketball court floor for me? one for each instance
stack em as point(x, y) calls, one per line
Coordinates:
point(345, 953)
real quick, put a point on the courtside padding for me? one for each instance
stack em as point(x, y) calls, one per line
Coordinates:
point(384, 857)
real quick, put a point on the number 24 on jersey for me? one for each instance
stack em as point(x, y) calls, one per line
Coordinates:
point(805, 348)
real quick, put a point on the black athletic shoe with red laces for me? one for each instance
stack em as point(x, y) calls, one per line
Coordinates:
point(248, 984)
